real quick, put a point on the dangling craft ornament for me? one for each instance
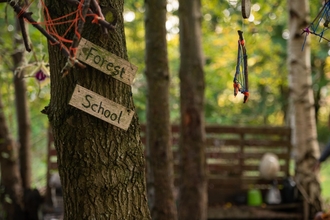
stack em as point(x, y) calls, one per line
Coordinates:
point(240, 81)
point(41, 72)
point(321, 23)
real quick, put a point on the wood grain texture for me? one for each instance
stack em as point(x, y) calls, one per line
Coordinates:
point(106, 62)
point(101, 107)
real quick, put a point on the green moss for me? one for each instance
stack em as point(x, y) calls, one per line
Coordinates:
point(109, 17)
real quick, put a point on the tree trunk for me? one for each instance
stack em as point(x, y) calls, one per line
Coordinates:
point(22, 111)
point(24, 131)
point(12, 196)
point(159, 153)
point(193, 179)
point(101, 166)
point(302, 104)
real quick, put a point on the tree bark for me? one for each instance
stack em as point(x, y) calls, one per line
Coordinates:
point(302, 104)
point(193, 179)
point(101, 166)
point(22, 112)
point(159, 153)
point(12, 196)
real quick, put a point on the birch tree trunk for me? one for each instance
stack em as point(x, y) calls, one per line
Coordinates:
point(101, 166)
point(193, 179)
point(302, 105)
point(159, 152)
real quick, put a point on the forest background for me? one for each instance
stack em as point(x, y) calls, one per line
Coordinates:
point(266, 33)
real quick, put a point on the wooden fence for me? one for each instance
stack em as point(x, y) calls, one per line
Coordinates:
point(233, 155)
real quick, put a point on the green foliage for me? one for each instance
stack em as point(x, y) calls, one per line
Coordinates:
point(265, 33)
point(134, 30)
point(265, 77)
point(221, 20)
point(38, 95)
point(325, 183)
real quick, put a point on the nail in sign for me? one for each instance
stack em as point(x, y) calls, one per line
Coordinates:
point(106, 62)
point(101, 107)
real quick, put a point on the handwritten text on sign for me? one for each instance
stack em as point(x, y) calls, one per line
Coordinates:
point(101, 107)
point(106, 62)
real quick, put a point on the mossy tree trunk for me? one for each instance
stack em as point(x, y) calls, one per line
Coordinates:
point(101, 166)
point(159, 153)
point(302, 104)
point(193, 176)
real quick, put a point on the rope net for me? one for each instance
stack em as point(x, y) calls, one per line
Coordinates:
point(71, 20)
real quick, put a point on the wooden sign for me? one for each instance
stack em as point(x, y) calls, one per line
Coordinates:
point(106, 62)
point(101, 107)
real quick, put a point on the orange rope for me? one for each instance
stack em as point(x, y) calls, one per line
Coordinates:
point(74, 51)
point(24, 9)
point(50, 24)
point(72, 20)
point(96, 18)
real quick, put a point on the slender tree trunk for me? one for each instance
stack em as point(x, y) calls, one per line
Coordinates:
point(159, 153)
point(193, 179)
point(101, 166)
point(24, 131)
point(22, 111)
point(302, 103)
point(12, 196)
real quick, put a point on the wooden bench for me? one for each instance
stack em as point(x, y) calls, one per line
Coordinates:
point(233, 155)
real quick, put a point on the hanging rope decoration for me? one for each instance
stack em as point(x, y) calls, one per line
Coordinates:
point(39, 70)
point(240, 81)
point(320, 24)
point(76, 21)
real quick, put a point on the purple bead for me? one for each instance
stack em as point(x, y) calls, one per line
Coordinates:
point(40, 76)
